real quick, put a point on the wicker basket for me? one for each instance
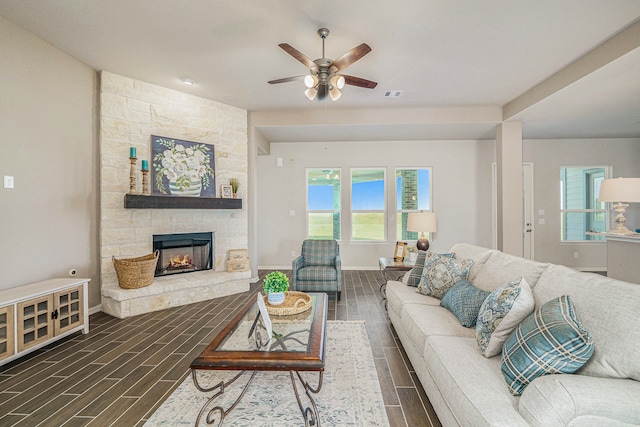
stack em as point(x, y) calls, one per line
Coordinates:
point(134, 273)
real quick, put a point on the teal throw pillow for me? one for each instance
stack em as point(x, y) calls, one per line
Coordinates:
point(416, 271)
point(440, 273)
point(464, 301)
point(550, 341)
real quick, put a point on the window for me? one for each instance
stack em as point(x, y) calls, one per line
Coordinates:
point(579, 207)
point(413, 194)
point(323, 203)
point(367, 205)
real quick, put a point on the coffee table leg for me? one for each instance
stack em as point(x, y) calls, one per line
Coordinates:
point(219, 410)
point(310, 415)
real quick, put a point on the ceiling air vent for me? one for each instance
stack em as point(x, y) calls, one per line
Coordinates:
point(393, 94)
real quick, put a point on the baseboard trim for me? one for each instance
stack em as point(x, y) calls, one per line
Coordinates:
point(95, 309)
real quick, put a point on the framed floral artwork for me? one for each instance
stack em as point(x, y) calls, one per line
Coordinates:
point(182, 168)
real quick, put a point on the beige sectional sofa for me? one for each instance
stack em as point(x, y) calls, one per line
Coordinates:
point(469, 389)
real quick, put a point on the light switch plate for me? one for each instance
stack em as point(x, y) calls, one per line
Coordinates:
point(8, 181)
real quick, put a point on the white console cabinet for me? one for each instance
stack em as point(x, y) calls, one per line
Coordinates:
point(32, 316)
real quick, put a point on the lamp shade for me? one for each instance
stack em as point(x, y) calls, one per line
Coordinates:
point(421, 222)
point(619, 190)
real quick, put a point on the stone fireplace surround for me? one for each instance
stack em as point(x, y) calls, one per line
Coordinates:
point(130, 112)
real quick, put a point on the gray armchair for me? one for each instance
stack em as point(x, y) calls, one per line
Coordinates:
point(318, 268)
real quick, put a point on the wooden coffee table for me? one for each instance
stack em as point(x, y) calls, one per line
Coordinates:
point(298, 346)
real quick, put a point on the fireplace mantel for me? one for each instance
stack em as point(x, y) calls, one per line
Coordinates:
point(137, 201)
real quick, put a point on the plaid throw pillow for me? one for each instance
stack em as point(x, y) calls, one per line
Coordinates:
point(550, 341)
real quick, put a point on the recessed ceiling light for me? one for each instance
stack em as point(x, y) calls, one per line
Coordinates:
point(187, 80)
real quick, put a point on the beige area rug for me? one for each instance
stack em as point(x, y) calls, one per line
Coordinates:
point(350, 394)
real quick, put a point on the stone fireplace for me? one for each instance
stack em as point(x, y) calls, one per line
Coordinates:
point(130, 112)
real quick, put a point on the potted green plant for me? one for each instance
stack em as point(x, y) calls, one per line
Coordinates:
point(275, 284)
point(234, 183)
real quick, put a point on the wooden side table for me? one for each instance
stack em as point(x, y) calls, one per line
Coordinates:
point(390, 269)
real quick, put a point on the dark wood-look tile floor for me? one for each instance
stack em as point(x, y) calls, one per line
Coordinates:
point(123, 370)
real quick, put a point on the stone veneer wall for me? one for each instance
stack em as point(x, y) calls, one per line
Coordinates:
point(130, 112)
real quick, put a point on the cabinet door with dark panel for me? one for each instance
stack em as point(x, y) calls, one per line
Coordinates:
point(7, 344)
point(69, 309)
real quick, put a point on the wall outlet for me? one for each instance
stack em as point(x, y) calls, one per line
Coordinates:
point(8, 181)
point(576, 254)
point(293, 254)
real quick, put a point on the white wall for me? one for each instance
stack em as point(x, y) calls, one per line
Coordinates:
point(49, 221)
point(548, 156)
point(461, 194)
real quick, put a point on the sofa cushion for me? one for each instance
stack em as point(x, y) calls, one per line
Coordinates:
point(464, 301)
point(416, 272)
point(317, 273)
point(398, 294)
point(423, 321)
point(502, 268)
point(471, 384)
point(608, 309)
point(500, 314)
point(580, 400)
point(441, 272)
point(549, 341)
point(478, 254)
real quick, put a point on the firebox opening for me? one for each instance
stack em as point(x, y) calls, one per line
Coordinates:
point(183, 252)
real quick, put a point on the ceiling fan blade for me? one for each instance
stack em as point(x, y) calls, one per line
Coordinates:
point(297, 54)
point(286, 79)
point(357, 81)
point(350, 57)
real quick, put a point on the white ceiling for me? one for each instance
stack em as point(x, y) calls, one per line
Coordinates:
point(440, 53)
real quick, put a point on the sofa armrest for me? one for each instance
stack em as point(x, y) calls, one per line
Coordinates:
point(580, 399)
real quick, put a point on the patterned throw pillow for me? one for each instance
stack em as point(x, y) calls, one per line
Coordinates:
point(416, 271)
point(500, 313)
point(464, 300)
point(550, 341)
point(440, 273)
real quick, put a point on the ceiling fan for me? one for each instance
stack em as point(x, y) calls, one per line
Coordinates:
point(323, 77)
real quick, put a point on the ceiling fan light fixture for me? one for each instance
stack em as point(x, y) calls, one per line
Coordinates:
point(311, 93)
point(310, 80)
point(338, 81)
point(334, 93)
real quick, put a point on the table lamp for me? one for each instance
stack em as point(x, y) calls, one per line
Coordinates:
point(621, 191)
point(422, 222)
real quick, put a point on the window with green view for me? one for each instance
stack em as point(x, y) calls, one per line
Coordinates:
point(368, 205)
point(413, 194)
point(579, 207)
point(323, 203)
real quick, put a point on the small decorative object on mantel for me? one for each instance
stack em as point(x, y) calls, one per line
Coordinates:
point(226, 191)
point(145, 178)
point(234, 183)
point(182, 168)
point(132, 172)
point(238, 260)
point(275, 284)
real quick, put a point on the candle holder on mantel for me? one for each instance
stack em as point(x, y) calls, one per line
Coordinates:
point(145, 182)
point(132, 176)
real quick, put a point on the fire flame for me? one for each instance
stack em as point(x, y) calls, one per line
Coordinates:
point(179, 261)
